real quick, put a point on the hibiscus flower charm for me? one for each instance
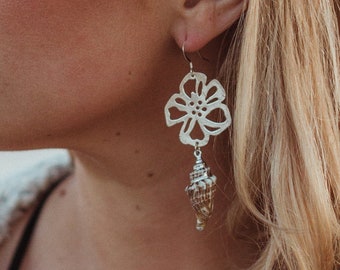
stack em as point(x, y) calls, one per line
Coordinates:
point(195, 106)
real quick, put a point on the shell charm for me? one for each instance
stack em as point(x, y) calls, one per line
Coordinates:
point(201, 191)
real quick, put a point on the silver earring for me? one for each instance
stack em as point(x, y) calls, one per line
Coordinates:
point(196, 104)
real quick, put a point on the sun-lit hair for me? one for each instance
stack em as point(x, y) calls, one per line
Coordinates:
point(285, 95)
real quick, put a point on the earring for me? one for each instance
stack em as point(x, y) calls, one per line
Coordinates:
point(196, 104)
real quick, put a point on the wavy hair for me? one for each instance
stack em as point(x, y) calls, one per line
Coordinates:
point(285, 91)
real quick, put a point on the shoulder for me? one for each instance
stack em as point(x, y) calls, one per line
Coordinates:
point(19, 190)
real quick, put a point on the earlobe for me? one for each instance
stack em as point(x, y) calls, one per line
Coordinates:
point(200, 21)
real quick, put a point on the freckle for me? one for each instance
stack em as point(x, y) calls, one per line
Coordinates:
point(117, 133)
point(150, 174)
point(62, 193)
point(136, 151)
point(49, 135)
point(138, 207)
point(130, 72)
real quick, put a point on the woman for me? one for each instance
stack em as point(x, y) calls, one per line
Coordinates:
point(94, 77)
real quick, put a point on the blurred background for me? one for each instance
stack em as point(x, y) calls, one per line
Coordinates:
point(14, 162)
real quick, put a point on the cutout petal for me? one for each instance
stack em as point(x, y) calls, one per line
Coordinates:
point(214, 90)
point(184, 134)
point(199, 80)
point(173, 103)
point(215, 128)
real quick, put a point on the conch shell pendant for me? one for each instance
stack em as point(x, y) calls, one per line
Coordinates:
point(201, 191)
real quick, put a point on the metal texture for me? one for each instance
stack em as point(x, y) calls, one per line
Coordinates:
point(197, 104)
point(201, 191)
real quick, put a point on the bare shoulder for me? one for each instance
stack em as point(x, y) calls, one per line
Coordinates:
point(9, 244)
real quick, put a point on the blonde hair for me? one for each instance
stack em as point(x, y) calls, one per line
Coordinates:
point(285, 85)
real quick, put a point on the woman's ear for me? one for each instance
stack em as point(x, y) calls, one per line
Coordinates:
point(200, 21)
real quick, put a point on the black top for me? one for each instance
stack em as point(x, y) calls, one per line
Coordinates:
point(25, 239)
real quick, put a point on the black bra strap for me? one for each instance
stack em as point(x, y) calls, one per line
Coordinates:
point(29, 229)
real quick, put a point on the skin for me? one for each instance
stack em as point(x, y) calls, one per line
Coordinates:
point(93, 77)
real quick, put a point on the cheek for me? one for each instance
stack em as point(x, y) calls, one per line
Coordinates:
point(65, 63)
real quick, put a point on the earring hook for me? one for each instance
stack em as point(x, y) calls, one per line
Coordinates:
point(188, 59)
point(185, 55)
